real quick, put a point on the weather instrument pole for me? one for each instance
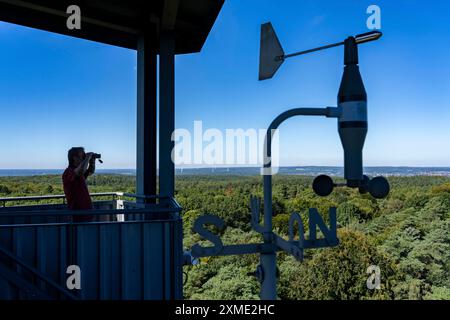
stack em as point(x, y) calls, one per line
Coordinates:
point(351, 113)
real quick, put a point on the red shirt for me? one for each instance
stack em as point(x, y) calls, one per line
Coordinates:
point(77, 193)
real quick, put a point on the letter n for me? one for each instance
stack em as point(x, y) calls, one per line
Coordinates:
point(315, 220)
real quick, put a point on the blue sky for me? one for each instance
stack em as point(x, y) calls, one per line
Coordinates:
point(58, 91)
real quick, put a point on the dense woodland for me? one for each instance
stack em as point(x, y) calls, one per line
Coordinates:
point(407, 235)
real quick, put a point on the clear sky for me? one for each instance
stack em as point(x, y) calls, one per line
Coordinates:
point(57, 91)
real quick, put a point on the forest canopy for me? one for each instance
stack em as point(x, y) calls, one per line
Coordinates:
point(406, 235)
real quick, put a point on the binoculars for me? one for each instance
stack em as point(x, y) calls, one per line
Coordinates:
point(97, 156)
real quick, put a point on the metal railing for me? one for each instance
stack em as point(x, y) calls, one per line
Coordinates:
point(114, 195)
point(3, 201)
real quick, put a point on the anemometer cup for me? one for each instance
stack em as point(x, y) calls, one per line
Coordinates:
point(378, 187)
point(323, 185)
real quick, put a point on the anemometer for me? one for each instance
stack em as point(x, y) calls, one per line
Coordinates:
point(351, 111)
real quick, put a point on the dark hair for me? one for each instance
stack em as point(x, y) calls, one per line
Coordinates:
point(72, 152)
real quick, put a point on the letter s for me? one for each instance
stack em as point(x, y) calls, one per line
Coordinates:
point(199, 251)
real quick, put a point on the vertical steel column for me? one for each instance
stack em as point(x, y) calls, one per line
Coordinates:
point(146, 114)
point(166, 113)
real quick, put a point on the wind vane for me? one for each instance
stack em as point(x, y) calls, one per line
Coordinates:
point(351, 114)
point(272, 54)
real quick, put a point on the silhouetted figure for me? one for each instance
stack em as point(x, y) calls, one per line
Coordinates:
point(81, 166)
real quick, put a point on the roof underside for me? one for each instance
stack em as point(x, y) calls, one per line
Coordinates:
point(120, 22)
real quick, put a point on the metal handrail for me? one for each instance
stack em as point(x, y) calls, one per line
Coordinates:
point(97, 194)
point(59, 196)
point(67, 212)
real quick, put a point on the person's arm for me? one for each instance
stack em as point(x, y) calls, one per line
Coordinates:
point(90, 171)
point(82, 167)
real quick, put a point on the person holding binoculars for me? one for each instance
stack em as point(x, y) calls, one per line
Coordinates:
point(81, 166)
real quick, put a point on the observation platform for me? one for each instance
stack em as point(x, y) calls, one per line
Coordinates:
point(133, 250)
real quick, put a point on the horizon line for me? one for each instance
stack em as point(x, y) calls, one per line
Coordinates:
point(251, 167)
